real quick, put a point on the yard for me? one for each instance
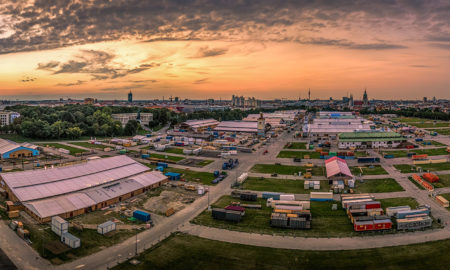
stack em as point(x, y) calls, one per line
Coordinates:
point(298, 154)
point(407, 168)
point(280, 185)
point(368, 170)
point(73, 150)
point(91, 242)
point(444, 181)
point(430, 125)
point(174, 150)
point(166, 157)
point(183, 251)
point(204, 178)
point(286, 169)
point(377, 186)
point(430, 152)
point(398, 202)
point(90, 145)
point(295, 145)
point(441, 131)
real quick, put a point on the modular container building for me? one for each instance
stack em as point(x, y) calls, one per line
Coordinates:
point(173, 176)
point(267, 195)
point(368, 160)
point(405, 214)
point(287, 197)
point(430, 177)
point(442, 201)
point(415, 223)
point(141, 215)
point(248, 196)
point(223, 214)
point(163, 164)
point(392, 211)
point(371, 225)
point(106, 227)
point(321, 196)
point(277, 203)
point(59, 225)
point(70, 240)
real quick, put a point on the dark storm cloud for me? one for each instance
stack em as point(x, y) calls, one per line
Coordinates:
point(98, 64)
point(52, 24)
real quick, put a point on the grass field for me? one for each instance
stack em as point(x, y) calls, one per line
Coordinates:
point(366, 170)
point(295, 145)
point(325, 222)
point(193, 176)
point(404, 153)
point(406, 168)
point(430, 125)
point(167, 157)
point(433, 143)
point(441, 131)
point(444, 181)
point(398, 202)
point(280, 185)
point(298, 154)
point(73, 150)
point(183, 251)
point(174, 151)
point(91, 242)
point(205, 162)
point(377, 186)
point(412, 119)
point(415, 183)
point(285, 169)
point(90, 145)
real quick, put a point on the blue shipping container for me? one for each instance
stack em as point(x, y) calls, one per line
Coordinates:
point(162, 164)
point(388, 156)
point(145, 156)
point(419, 140)
point(141, 215)
point(216, 173)
point(267, 195)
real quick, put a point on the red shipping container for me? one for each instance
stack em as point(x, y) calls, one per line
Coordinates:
point(350, 154)
point(410, 146)
point(372, 205)
point(235, 208)
point(418, 157)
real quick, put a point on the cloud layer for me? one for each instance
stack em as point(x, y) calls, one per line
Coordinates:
point(42, 24)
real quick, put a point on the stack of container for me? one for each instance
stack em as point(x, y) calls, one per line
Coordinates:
point(248, 196)
point(430, 177)
point(59, 225)
point(295, 220)
point(424, 184)
point(224, 214)
point(70, 240)
point(392, 211)
point(414, 219)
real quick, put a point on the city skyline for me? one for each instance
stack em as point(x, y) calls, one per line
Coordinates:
point(211, 49)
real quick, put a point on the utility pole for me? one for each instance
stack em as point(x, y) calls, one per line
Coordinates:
point(136, 252)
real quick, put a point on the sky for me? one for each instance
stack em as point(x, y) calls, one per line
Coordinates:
point(216, 48)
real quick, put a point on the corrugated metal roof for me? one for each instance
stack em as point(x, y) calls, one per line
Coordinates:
point(7, 145)
point(335, 166)
point(238, 126)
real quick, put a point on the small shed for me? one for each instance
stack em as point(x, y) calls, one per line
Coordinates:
point(106, 227)
point(173, 175)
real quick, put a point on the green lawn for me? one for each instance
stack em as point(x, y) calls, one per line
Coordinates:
point(91, 242)
point(298, 154)
point(90, 145)
point(415, 183)
point(430, 152)
point(377, 186)
point(205, 162)
point(73, 150)
point(174, 150)
point(411, 119)
point(366, 170)
point(433, 143)
point(406, 168)
point(441, 131)
point(193, 176)
point(285, 169)
point(444, 181)
point(280, 185)
point(430, 124)
point(399, 202)
point(183, 251)
point(169, 157)
point(295, 145)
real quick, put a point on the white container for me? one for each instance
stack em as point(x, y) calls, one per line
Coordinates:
point(287, 197)
point(64, 151)
point(187, 151)
point(200, 190)
point(106, 227)
point(70, 240)
point(242, 177)
point(59, 225)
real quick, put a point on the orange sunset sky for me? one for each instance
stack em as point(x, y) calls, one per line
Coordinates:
point(213, 49)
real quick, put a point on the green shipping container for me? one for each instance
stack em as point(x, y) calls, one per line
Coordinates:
point(311, 146)
point(333, 154)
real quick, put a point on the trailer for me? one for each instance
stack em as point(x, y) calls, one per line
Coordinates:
point(321, 196)
point(248, 196)
point(277, 203)
point(442, 201)
point(392, 211)
point(415, 223)
point(70, 240)
point(106, 227)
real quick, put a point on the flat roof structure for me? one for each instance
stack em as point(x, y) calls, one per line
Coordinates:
point(237, 126)
point(56, 191)
point(339, 125)
point(370, 136)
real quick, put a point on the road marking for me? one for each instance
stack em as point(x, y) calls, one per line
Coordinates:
point(79, 266)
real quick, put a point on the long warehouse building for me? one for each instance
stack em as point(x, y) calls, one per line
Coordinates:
point(74, 190)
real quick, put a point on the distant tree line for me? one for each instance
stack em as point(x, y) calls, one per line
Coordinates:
point(427, 113)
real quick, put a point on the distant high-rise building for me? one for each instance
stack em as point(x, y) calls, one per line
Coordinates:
point(177, 99)
point(350, 101)
point(425, 99)
point(365, 98)
point(309, 94)
point(345, 100)
point(130, 97)
point(434, 99)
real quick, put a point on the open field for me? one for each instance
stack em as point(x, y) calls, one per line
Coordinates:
point(286, 169)
point(413, 120)
point(442, 131)
point(174, 151)
point(430, 124)
point(167, 157)
point(73, 150)
point(366, 170)
point(444, 181)
point(377, 186)
point(205, 162)
point(193, 176)
point(399, 201)
point(404, 153)
point(433, 143)
point(280, 185)
point(406, 168)
point(90, 145)
point(295, 145)
point(298, 154)
point(91, 242)
point(183, 251)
